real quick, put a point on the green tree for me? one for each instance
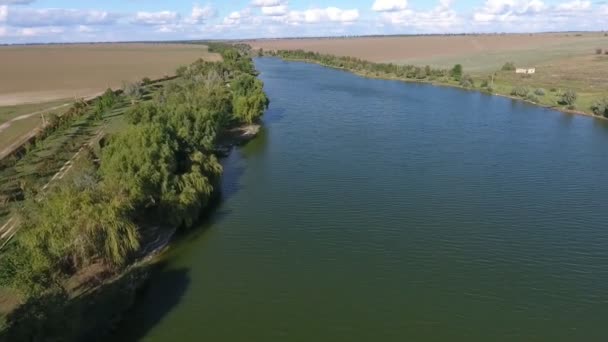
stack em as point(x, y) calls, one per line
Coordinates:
point(568, 98)
point(456, 72)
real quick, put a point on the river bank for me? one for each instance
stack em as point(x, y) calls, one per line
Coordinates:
point(451, 84)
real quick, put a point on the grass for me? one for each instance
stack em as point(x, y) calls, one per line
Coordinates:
point(10, 112)
point(478, 62)
point(18, 129)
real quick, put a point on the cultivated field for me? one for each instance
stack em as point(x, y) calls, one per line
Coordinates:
point(474, 52)
point(33, 74)
point(47, 78)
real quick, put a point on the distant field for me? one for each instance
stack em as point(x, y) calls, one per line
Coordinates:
point(562, 60)
point(32, 74)
point(477, 53)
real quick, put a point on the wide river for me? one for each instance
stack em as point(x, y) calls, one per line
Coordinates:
point(374, 210)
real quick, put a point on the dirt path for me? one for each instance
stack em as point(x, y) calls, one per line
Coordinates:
point(26, 137)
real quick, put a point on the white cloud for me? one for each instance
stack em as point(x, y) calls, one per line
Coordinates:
point(535, 15)
point(156, 18)
point(15, 2)
point(442, 18)
point(318, 15)
point(40, 31)
point(389, 5)
point(3, 13)
point(280, 10)
point(30, 17)
point(268, 3)
point(202, 14)
point(508, 10)
point(84, 29)
point(576, 5)
point(236, 17)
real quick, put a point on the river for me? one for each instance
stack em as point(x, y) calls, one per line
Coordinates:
point(375, 210)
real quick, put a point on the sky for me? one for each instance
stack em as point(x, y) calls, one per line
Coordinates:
point(37, 21)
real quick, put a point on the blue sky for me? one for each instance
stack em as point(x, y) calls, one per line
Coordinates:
point(23, 21)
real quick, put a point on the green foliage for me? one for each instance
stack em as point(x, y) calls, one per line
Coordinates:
point(520, 91)
point(532, 97)
point(133, 91)
point(568, 98)
point(540, 92)
point(249, 101)
point(456, 72)
point(600, 107)
point(161, 169)
point(104, 103)
point(467, 81)
point(509, 66)
point(364, 67)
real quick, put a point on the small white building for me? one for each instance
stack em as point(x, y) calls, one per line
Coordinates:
point(525, 70)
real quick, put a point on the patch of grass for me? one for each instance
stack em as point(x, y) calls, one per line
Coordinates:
point(18, 129)
point(9, 112)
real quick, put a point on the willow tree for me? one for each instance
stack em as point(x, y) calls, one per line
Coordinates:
point(249, 99)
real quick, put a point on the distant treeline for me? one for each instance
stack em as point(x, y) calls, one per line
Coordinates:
point(159, 171)
point(369, 68)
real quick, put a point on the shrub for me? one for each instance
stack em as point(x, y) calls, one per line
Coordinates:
point(490, 89)
point(146, 81)
point(520, 91)
point(599, 51)
point(600, 107)
point(467, 81)
point(484, 84)
point(553, 90)
point(540, 92)
point(509, 66)
point(531, 97)
point(133, 91)
point(568, 98)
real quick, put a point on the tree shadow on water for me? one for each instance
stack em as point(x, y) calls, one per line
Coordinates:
point(152, 303)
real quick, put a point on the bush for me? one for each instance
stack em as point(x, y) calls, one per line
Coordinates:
point(540, 92)
point(553, 90)
point(484, 84)
point(146, 81)
point(467, 81)
point(456, 72)
point(509, 66)
point(600, 107)
point(520, 91)
point(599, 51)
point(531, 97)
point(568, 98)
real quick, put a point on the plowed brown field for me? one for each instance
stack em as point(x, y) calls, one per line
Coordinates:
point(45, 73)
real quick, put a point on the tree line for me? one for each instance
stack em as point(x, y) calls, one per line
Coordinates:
point(160, 170)
point(361, 66)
